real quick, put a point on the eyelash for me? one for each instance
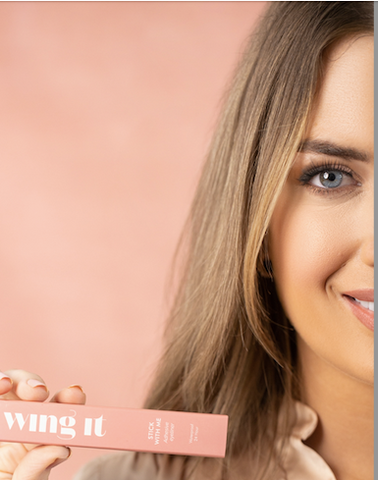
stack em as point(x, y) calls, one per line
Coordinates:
point(309, 173)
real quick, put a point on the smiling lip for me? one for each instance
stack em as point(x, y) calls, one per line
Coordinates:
point(364, 315)
point(366, 294)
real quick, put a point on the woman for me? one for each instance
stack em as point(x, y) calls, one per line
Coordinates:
point(273, 320)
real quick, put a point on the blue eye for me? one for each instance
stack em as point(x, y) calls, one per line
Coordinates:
point(327, 177)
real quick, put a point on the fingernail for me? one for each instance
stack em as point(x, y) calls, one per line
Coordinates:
point(77, 386)
point(58, 461)
point(5, 377)
point(35, 383)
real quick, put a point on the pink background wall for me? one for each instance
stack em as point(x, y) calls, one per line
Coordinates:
point(106, 113)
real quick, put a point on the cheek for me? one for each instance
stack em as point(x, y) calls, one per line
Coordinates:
point(306, 248)
point(314, 252)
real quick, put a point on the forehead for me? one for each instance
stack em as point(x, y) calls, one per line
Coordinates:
point(344, 109)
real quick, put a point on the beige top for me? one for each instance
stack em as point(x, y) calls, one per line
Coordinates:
point(299, 461)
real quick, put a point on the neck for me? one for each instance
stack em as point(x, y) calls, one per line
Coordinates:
point(344, 437)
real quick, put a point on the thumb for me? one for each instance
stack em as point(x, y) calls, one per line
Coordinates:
point(37, 464)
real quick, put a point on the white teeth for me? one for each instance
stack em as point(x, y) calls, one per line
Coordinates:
point(368, 305)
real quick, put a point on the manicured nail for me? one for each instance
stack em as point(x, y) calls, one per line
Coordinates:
point(35, 383)
point(5, 377)
point(77, 386)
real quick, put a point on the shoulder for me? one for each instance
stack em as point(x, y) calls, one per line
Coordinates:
point(120, 466)
point(293, 460)
point(149, 466)
point(133, 466)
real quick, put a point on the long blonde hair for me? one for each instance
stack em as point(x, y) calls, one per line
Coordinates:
point(230, 348)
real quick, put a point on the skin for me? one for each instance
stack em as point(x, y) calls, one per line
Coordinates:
point(321, 245)
point(25, 461)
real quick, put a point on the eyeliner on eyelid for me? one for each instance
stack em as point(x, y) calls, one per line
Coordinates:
point(310, 172)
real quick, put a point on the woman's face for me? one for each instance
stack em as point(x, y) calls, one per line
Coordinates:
point(321, 234)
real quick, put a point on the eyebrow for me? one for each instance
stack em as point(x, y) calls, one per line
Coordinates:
point(330, 149)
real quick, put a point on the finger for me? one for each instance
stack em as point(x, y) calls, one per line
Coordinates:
point(6, 383)
point(26, 386)
point(11, 455)
point(36, 465)
point(72, 394)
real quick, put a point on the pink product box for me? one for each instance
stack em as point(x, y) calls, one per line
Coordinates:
point(157, 431)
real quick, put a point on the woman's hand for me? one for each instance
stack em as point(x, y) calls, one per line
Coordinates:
point(25, 461)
